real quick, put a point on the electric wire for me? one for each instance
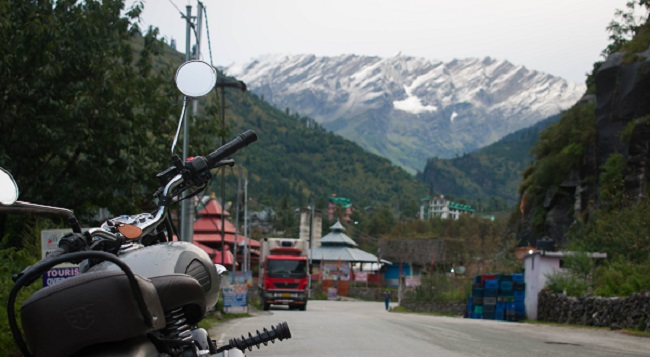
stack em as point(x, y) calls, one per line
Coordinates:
point(186, 19)
point(207, 29)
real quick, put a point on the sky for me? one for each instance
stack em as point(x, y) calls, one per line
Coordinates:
point(560, 37)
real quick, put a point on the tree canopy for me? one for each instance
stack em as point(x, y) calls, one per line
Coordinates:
point(89, 107)
point(86, 122)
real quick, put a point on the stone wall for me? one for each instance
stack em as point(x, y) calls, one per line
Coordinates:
point(370, 293)
point(449, 308)
point(617, 312)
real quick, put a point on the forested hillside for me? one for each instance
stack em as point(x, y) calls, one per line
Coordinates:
point(489, 177)
point(296, 160)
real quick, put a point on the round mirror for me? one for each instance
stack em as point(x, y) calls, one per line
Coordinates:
point(8, 188)
point(196, 78)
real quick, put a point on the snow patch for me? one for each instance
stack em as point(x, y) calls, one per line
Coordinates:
point(412, 104)
point(453, 116)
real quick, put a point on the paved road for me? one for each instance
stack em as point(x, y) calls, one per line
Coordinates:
point(365, 329)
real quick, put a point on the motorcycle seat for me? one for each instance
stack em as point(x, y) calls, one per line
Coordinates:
point(91, 308)
point(181, 291)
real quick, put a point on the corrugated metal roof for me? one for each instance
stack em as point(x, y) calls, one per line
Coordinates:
point(344, 254)
point(337, 237)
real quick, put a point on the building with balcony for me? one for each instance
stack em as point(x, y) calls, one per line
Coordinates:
point(439, 207)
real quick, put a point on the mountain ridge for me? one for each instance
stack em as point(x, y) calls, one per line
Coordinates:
point(409, 109)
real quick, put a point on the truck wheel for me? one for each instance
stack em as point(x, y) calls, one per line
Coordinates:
point(303, 307)
point(266, 306)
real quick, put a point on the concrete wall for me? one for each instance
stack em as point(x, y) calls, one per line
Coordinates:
point(617, 312)
point(537, 267)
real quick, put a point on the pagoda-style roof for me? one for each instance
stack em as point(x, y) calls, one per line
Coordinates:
point(215, 254)
point(209, 224)
point(213, 208)
point(207, 228)
point(337, 237)
point(337, 246)
point(229, 239)
point(341, 253)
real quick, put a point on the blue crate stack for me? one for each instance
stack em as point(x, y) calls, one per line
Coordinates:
point(477, 299)
point(519, 294)
point(498, 297)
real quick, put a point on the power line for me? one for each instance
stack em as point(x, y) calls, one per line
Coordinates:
point(177, 9)
point(188, 20)
point(207, 29)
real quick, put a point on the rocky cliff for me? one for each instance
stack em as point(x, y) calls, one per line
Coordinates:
point(613, 168)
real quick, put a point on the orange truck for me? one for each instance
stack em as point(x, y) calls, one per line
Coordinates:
point(283, 274)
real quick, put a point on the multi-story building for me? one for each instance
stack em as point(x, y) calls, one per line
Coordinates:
point(344, 203)
point(439, 207)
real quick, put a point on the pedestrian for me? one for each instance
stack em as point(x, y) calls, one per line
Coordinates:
point(387, 299)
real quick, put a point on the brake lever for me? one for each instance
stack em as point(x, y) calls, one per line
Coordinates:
point(223, 163)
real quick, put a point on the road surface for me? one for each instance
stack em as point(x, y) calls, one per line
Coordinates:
point(366, 329)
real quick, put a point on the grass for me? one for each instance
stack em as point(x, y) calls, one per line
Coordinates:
point(215, 318)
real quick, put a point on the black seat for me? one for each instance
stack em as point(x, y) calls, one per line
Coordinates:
point(181, 291)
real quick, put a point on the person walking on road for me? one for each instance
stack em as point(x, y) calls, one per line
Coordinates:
point(387, 299)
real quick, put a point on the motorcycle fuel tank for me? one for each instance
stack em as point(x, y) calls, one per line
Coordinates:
point(175, 257)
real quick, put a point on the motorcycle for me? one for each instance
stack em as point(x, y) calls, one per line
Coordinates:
point(139, 292)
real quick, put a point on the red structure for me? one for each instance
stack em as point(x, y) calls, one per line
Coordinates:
point(207, 235)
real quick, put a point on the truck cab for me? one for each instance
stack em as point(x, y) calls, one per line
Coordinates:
point(284, 273)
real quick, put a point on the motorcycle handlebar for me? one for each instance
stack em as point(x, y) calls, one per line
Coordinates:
point(230, 148)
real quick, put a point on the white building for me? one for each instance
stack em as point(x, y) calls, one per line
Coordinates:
point(538, 266)
point(439, 207)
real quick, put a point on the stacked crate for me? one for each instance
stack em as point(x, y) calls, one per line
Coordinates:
point(519, 294)
point(476, 299)
point(490, 294)
point(505, 296)
point(499, 297)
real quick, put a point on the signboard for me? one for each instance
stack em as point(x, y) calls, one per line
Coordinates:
point(241, 278)
point(412, 282)
point(336, 271)
point(361, 276)
point(50, 242)
point(58, 274)
point(331, 293)
point(235, 299)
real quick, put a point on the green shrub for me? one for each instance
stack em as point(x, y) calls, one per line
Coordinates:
point(621, 278)
point(443, 288)
point(12, 261)
point(567, 282)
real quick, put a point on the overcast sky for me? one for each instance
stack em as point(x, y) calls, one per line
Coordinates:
point(560, 37)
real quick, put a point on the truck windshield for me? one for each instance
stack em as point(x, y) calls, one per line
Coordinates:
point(287, 268)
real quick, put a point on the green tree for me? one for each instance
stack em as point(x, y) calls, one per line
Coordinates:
point(86, 120)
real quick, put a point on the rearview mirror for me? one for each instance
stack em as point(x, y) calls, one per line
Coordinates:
point(8, 188)
point(195, 78)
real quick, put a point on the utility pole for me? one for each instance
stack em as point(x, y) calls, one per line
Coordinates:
point(222, 83)
point(311, 238)
point(187, 206)
point(246, 244)
point(234, 246)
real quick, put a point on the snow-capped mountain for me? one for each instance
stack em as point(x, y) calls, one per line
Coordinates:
point(410, 109)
